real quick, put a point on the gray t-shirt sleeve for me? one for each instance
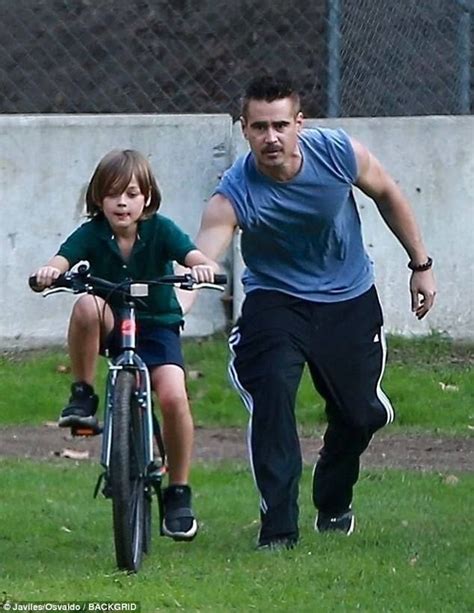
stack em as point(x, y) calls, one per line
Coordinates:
point(233, 186)
point(341, 153)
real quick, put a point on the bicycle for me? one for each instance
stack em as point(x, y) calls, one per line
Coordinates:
point(131, 472)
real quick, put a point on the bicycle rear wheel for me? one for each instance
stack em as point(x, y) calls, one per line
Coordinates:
point(131, 510)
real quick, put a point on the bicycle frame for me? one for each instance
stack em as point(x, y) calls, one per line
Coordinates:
point(129, 419)
point(128, 359)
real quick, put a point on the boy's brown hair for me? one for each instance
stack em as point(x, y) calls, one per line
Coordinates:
point(113, 174)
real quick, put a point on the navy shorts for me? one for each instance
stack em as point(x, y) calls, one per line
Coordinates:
point(156, 345)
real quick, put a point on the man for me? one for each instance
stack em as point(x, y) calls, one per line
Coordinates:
point(310, 299)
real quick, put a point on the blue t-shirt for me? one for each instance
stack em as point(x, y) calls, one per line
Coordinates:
point(303, 236)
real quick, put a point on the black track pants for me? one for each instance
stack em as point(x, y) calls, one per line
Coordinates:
point(344, 347)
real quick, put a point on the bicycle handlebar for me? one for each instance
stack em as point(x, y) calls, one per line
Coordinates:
point(219, 279)
point(80, 281)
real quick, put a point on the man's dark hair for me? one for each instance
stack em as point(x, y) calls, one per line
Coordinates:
point(270, 88)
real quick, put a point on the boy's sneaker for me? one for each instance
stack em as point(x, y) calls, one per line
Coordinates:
point(179, 522)
point(277, 544)
point(341, 522)
point(81, 409)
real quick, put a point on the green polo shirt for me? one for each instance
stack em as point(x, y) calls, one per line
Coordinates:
point(159, 243)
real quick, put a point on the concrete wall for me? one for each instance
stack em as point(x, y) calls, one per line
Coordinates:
point(46, 163)
point(432, 160)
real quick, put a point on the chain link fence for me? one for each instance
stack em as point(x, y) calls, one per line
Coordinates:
point(349, 57)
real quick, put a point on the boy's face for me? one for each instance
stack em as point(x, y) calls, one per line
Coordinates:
point(123, 210)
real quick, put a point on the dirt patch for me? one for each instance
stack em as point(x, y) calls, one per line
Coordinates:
point(395, 451)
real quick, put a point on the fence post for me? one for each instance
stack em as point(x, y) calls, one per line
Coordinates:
point(334, 59)
point(464, 42)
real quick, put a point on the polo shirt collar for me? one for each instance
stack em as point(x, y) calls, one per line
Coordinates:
point(105, 232)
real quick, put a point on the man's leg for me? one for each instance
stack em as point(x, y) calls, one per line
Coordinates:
point(347, 367)
point(266, 369)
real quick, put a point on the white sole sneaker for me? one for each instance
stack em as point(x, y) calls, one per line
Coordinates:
point(347, 532)
point(181, 536)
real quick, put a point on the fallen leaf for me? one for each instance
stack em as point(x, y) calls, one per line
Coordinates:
point(50, 424)
point(447, 387)
point(73, 454)
point(195, 374)
point(451, 480)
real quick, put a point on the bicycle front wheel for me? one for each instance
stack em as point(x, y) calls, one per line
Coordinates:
point(127, 474)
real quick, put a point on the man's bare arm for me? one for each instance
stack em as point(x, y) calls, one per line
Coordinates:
point(397, 213)
point(218, 224)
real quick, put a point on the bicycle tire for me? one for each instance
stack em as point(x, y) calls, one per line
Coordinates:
point(127, 474)
point(147, 531)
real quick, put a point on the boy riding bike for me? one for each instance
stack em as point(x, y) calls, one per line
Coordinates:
point(125, 238)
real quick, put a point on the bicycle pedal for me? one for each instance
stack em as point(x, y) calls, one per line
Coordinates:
point(86, 430)
point(156, 474)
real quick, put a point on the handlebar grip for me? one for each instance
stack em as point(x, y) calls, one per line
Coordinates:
point(61, 281)
point(220, 279)
point(33, 284)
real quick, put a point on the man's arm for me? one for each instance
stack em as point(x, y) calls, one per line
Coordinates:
point(397, 213)
point(218, 224)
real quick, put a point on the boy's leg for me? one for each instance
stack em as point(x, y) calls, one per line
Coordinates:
point(347, 367)
point(178, 433)
point(89, 322)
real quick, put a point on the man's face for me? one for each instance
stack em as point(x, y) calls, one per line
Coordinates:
point(271, 129)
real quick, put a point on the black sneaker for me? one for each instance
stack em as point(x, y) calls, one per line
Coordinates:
point(277, 544)
point(179, 522)
point(81, 409)
point(341, 522)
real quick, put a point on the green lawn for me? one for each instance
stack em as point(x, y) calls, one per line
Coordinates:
point(429, 380)
point(412, 550)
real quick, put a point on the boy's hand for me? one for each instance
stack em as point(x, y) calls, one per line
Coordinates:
point(203, 273)
point(46, 276)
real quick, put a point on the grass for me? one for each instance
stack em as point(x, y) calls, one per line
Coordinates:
point(430, 382)
point(412, 550)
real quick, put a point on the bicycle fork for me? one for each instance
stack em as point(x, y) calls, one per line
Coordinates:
point(152, 472)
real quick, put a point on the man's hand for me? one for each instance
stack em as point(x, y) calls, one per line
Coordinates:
point(423, 292)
